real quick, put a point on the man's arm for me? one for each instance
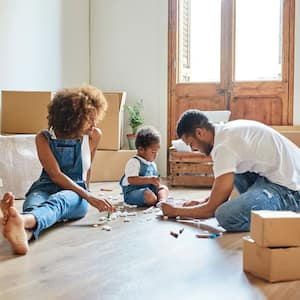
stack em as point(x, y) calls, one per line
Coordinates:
point(220, 193)
point(221, 190)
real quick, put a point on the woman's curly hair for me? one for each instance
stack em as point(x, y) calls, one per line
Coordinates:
point(70, 109)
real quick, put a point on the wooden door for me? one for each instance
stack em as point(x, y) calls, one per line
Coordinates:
point(231, 36)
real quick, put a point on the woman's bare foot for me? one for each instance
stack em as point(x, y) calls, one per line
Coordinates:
point(5, 204)
point(15, 233)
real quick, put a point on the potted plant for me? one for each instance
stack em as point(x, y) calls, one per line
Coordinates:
point(135, 119)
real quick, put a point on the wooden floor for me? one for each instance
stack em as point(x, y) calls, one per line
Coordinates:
point(136, 260)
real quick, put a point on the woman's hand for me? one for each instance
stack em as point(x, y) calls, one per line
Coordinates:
point(100, 204)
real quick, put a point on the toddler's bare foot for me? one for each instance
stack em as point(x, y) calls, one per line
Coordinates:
point(168, 210)
point(5, 204)
point(15, 233)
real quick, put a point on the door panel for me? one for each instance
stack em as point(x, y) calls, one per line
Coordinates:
point(266, 102)
point(262, 109)
point(253, 81)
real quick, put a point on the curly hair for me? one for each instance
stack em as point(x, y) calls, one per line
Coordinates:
point(146, 137)
point(70, 109)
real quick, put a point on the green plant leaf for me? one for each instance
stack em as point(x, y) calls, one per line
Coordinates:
point(135, 118)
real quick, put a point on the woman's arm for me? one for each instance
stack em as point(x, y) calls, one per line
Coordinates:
point(52, 168)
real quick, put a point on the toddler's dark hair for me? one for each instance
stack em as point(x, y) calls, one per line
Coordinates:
point(146, 137)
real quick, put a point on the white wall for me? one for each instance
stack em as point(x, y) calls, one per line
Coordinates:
point(44, 44)
point(129, 41)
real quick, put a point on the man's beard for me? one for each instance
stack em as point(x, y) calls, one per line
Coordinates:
point(205, 147)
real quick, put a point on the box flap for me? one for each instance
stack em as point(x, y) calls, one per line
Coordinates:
point(115, 101)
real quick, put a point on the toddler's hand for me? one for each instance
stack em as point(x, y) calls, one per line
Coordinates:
point(155, 181)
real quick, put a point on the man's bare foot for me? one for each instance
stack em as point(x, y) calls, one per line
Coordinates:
point(15, 233)
point(168, 210)
point(5, 204)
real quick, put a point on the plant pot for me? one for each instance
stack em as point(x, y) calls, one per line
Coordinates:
point(131, 141)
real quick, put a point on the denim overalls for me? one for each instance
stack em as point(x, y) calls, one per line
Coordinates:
point(134, 194)
point(48, 202)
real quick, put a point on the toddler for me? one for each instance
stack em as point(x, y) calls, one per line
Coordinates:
point(140, 183)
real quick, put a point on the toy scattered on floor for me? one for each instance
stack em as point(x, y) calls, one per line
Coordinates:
point(149, 210)
point(208, 235)
point(107, 228)
point(105, 190)
point(129, 205)
point(175, 234)
point(131, 213)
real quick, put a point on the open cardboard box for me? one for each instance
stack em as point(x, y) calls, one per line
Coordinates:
point(24, 111)
point(112, 124)
point(110, 165)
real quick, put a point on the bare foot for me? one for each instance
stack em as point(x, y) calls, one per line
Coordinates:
point(15, 233)
point(5, 204)
point(168, 210)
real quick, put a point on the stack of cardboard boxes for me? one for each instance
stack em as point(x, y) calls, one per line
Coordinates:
point(24, 113)
point(109, 161)
point(272, 252)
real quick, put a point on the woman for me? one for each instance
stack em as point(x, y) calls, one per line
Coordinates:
point(65, 151)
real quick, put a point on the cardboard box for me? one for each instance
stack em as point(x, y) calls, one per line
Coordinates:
point(24, 112)
point(272, 264)
point(110, 165)
point(275, 228)
point(112, 124)
point(290, 132)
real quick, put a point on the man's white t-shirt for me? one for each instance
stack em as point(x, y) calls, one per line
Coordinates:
point(242, 145)
point(133, 166)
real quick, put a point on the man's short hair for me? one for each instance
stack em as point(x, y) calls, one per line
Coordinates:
point(190, 120)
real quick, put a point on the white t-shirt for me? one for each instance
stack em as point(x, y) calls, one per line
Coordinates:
point(243, 145)
point(86, 156)
point(133, 166)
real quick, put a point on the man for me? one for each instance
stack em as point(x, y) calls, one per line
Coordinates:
point(262, 164)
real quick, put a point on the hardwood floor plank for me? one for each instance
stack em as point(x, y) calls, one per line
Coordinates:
point(135, 260)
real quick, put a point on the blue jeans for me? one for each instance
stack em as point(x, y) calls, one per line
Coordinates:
point(256, 193)
point(50, 203)
point(50, 209)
